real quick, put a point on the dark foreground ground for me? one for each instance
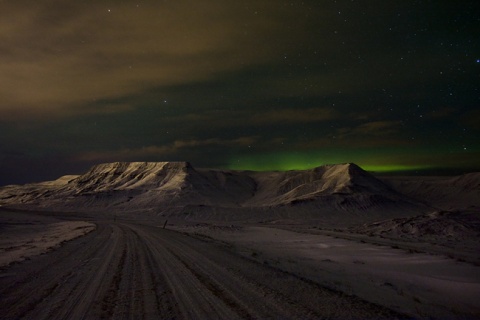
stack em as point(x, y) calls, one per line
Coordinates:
point(132, 270)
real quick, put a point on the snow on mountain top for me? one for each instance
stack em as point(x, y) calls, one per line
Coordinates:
point(284, 187)
point(133, 175)
point(155, 185)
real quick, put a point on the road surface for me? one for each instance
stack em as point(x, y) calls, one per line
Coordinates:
point(126, 270)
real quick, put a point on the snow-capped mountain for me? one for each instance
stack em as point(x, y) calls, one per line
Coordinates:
point(174, 187)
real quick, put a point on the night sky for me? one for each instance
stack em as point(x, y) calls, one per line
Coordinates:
point(392, 85)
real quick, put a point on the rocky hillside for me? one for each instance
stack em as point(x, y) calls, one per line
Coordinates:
point(174, 186)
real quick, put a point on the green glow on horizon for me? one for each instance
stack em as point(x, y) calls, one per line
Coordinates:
point(393, 167)
point(278, 162)
point(298, 161)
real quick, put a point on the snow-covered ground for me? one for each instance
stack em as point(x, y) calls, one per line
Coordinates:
point(415, 283)
point(23, 235)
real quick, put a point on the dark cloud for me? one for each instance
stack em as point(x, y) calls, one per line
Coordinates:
point(168, 150)
point(59, 57)
point(293, 115)
point(375, 128)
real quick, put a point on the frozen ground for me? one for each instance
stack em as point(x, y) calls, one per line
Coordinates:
point(418, 284)
point(134, 268)
point(24, 235)
point(138, 270)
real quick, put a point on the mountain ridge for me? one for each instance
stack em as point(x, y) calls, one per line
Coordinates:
point(170, 187)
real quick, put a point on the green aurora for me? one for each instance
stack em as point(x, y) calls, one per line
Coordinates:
point(304, 161)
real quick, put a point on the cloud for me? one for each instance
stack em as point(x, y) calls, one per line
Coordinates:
point(165, 151)
point(422, 158)
point(242, 141)
point(373, 128)
point(374, 134)
point(59, 56)
point(247, 117)
point(352, 143)
point(294, 115)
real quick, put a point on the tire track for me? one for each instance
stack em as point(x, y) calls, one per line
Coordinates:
point(110, 299)
point(217, 290)
point(37, 280)
point(250, 297)
point(191, 295)
point(262, 290)
point(144, 284)
point(131, 271)
point(91, 281)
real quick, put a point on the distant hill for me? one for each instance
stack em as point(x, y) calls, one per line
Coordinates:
point(448, 193)
point(176, 188)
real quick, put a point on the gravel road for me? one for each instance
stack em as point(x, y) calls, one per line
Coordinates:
point(126, 270)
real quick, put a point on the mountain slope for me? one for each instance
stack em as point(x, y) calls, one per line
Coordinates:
point(133, 175)
point(277, 188)
point(173, 186)
point(32, 192)
point(447, 193)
